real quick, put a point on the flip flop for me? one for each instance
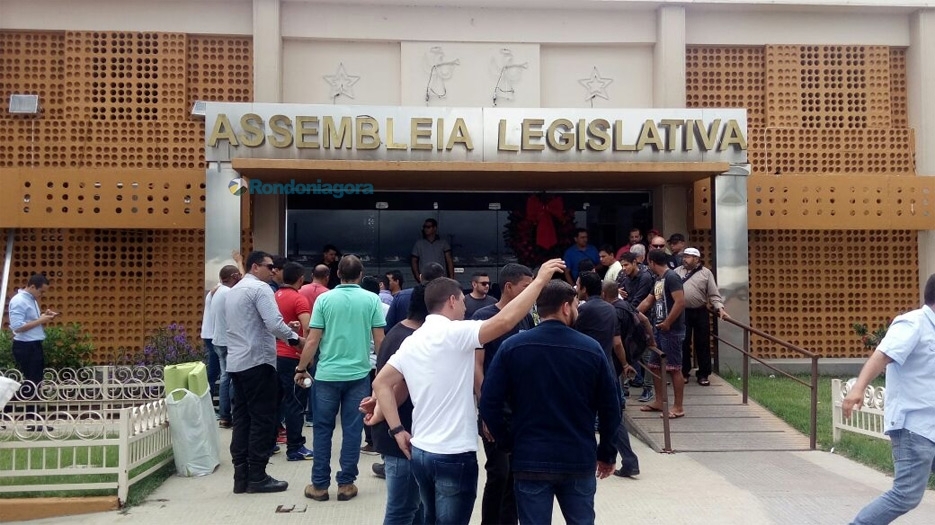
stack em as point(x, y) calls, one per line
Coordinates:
point(674, 415)
point(647, 408)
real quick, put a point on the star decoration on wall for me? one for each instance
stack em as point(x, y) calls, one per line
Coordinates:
point(596, 85)
point(341, 83)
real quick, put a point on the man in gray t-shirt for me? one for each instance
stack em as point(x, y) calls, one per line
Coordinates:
point(431, 249)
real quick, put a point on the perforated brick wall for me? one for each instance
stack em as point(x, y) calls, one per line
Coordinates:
point(808, 287)
point(106, 186)
point(113, 99)
point(118, 284)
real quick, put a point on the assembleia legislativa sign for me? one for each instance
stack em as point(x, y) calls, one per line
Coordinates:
point(489, 134)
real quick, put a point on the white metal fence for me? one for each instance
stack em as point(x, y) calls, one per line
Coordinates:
point(867, 419)
point(84, 429)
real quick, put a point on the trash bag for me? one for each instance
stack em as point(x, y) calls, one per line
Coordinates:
point(8, 389)
point(191, 419)
point(194, 432)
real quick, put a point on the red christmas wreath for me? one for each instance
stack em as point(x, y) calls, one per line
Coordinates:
point(541, 230)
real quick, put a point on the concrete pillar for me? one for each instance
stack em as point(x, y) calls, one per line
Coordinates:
point(268, 210)
point(730, 260)
point(670, 202)
point(267, 51)
point(669, 58)
point(921, 83)
point(670, 209)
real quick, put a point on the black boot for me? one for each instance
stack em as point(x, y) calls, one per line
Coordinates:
point(265, 483)
point(240, 478)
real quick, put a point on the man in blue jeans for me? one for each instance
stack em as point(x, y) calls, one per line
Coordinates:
point(229, 276)
point(436, 364)
point(554, 366)
point(907, 353)
point(343, 322)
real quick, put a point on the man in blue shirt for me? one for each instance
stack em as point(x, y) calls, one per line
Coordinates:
point(578, 252)
point(27, 321)
point(907, 353)
point(553, 366)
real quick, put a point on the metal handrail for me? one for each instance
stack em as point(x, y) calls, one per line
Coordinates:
point(813, 385)
point(664, 399)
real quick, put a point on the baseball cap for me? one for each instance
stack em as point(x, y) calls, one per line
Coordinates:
point(692, 251)
point(676, 237)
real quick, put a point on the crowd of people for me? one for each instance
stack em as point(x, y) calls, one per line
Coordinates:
point(423, 374)
point(430, 371)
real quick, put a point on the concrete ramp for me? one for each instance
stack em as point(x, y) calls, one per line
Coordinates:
point(715, 421)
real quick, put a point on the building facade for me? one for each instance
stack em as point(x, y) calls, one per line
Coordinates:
point(106, 187)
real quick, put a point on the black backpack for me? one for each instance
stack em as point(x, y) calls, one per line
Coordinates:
point(631, 329)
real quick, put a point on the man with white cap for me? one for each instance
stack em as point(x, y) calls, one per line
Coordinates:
point(700, 290)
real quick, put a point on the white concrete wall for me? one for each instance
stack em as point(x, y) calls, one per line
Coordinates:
point(628, 67)
point(227, 17)
point(395, 23)
point(306, 63)
point(470, 74)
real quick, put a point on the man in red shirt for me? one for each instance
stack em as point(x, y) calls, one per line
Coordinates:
point(319, 285)
point(296, 313)
point(321, 276)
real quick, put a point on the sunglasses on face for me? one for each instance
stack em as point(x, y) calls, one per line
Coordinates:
point(658, 245)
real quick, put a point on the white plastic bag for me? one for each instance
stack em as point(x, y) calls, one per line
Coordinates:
point(8, 389)
point(194, 433)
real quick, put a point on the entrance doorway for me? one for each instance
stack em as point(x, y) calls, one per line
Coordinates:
point(382, 228)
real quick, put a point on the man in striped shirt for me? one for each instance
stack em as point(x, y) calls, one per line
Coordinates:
point(253, 325)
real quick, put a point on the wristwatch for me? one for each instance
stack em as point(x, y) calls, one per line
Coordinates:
point(396, 430)
point(301, 370)
point(293, 342)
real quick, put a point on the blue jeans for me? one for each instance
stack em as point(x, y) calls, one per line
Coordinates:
point(310, 406)
point(291, 402)
point(213, 366)
point(403, 506)
point(913, 460)
point(575, 495)
point(630, 463)
point(447, 485)
point(224, 391)
point(330, 398)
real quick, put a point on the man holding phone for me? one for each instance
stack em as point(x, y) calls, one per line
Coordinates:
point(27, 321)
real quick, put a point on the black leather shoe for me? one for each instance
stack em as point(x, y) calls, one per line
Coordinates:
point(379, 470)
point(240, 478)
point(269, 484)
point(626, 474)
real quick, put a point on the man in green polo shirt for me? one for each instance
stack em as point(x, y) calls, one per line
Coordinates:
point(343, 322)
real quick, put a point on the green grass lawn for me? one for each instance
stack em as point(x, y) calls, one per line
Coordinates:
point(91, 456)
point(790, 401)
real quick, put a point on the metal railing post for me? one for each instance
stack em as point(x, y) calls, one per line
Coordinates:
point(665, 404)
point(746, 366)
point(813, 416)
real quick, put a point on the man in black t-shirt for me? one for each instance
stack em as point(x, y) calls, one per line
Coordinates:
point(667, 307)
point(499, 503)
point(597, 319)
point(478, 298)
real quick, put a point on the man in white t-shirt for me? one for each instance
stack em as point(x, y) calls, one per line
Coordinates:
point(436, 364)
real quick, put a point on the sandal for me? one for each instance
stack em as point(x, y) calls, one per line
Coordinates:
point(703, 381)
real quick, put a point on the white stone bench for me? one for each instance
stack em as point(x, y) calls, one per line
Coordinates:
point(867, 419)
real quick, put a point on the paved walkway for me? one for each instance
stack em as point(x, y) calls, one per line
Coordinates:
point(691, 487)
point(715, 420)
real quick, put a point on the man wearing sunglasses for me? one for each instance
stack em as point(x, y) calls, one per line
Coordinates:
point(431, 248)
point(478, 298)
point(253, 325)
